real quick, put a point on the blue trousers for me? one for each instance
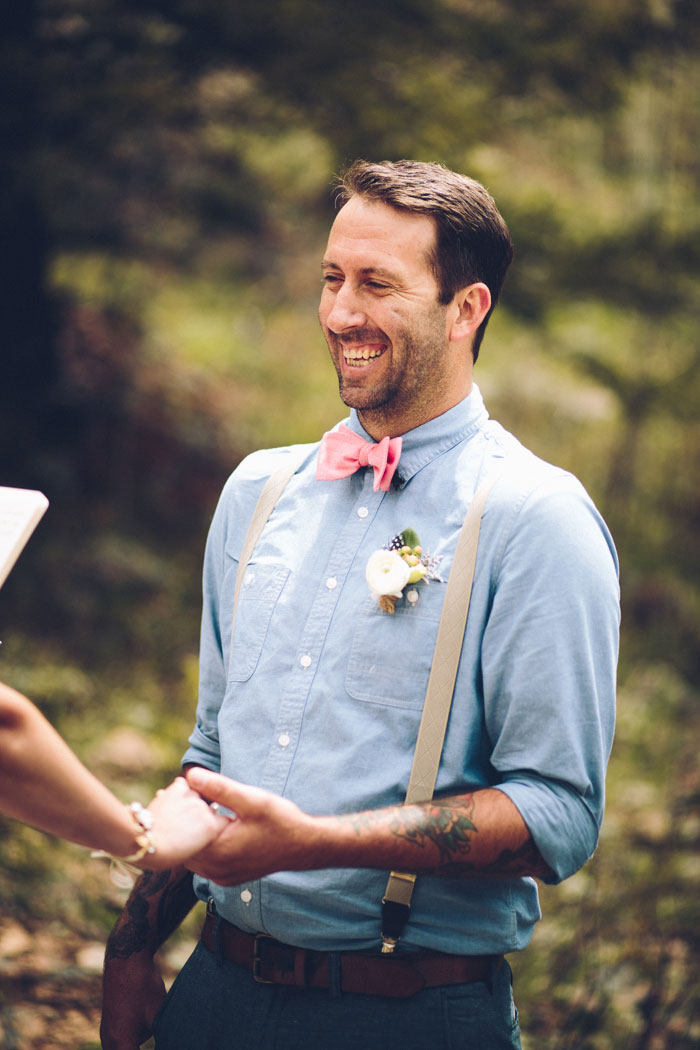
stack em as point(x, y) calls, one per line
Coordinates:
point(216, 1005)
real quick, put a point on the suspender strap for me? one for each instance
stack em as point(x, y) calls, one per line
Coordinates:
point(271, 492)
point(396, 902)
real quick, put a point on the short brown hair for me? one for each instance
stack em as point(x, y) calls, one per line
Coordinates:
point(473, 243)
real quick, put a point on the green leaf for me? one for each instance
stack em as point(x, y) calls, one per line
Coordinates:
point(410, 538)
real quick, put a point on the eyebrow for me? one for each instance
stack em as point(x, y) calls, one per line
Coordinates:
point(365, 271)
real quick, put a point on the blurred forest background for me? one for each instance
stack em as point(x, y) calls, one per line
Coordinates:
point(164, 200)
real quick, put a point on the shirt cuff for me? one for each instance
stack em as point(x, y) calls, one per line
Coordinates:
point(562, 826)
point(202, 752)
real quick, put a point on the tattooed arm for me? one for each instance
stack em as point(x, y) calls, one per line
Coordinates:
point(133, 988)
point(481, 833)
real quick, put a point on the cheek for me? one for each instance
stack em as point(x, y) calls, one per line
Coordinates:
point(393, 319)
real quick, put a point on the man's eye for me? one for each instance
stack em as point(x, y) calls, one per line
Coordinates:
point(331, 278)
point(377, 285)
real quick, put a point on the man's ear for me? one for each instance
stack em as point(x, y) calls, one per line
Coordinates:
point(468, 309)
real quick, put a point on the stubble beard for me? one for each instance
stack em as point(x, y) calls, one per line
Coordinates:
point(400, 394)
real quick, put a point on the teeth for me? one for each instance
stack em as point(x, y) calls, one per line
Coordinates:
point(363, 353)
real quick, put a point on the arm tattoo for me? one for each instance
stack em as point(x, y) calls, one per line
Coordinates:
point(133, 932)
point(176, 901)
point(447, 826)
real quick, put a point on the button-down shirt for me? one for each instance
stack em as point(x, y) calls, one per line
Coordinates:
point(318, 695)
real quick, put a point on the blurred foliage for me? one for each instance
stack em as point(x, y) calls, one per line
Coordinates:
point(164, 200)
point(614, 963)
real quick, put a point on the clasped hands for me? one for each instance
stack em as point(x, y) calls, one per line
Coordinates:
point(268, 833)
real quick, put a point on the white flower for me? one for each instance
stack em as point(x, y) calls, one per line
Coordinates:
point(387, 573)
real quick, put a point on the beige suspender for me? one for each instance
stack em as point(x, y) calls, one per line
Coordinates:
point(271, 492)
point(438, 700)
point(443, 672)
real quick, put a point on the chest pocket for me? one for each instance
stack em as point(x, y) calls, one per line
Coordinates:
point(391, 655)
point(260, 591)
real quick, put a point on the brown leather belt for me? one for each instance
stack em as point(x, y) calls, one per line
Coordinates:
point(398, 976)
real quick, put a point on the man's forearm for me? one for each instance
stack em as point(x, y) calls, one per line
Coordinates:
point(158, 903)
point(475, 834)
point(470, 835)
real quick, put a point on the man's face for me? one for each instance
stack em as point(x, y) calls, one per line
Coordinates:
point(379, 310)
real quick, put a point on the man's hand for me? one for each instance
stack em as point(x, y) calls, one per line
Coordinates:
point(133, 992)
point(268, 834)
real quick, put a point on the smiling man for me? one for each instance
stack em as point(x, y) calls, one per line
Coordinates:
point(311, 694)
point(401, 356)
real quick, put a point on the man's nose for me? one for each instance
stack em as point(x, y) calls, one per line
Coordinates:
point(346, 310)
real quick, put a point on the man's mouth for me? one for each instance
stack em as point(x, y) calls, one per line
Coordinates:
point(356, 355)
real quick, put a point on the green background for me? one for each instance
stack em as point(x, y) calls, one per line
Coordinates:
point(164, 200)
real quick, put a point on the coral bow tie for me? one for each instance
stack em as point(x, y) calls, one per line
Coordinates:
point(342, 452)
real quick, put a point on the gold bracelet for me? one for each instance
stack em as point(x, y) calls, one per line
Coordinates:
point(144, 839)
point(146, 846)
point(122, 868)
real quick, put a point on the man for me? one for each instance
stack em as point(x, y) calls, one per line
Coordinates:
point(309, 709)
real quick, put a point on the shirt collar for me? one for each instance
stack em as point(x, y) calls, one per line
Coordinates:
point(432, 439)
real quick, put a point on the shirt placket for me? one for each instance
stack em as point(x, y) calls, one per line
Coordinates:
point(306, 660)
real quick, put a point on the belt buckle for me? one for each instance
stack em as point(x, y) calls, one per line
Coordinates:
point(258, 958)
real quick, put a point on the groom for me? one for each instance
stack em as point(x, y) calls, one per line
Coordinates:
point(310, 701)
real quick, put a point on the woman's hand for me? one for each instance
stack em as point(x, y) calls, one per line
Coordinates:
point(183, 824)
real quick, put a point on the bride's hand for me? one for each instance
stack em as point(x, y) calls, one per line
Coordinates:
point(183, 824)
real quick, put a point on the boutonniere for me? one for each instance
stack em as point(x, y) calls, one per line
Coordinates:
point(400, 564)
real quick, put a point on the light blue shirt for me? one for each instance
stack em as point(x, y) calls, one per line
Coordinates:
point(319, 695)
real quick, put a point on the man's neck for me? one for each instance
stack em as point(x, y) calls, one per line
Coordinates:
point(382, 422)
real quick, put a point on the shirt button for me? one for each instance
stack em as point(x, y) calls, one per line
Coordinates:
point(249, 577)
point(246, 896)
point(331, 583)
point(284, 740)
point(305, 660)
point(362, 512)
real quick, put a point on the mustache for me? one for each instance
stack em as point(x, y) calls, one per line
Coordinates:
point(361, 335)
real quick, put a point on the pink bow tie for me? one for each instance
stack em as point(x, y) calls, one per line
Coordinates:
point(342, 452)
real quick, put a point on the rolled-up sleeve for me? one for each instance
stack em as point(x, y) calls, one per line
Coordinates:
point(549, 660)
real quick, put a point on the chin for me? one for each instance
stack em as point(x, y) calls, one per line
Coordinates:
point(356, 396)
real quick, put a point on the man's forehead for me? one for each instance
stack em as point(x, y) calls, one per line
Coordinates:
point(375, 236)
point(379, 218)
